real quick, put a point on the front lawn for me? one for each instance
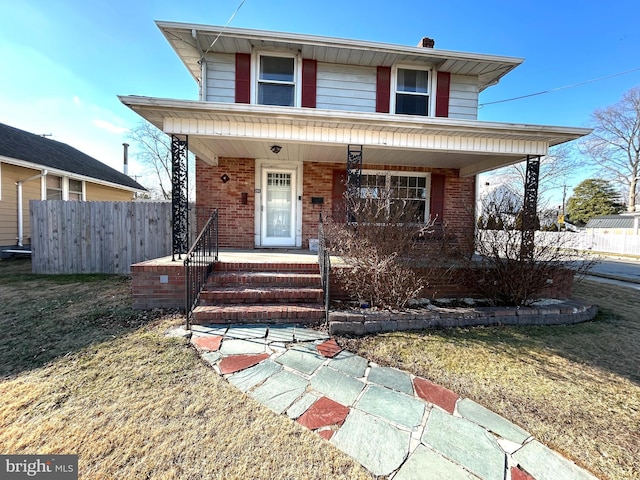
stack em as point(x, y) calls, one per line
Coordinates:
point(575, 388)
point(82, 373)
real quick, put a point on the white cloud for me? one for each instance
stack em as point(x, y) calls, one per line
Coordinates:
point(109, 126)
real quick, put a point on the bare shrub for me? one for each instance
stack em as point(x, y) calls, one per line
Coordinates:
point(381, 245)
point(503, 272)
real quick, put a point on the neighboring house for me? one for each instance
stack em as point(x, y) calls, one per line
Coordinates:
point(36, 168)
point(277, 113)
point(623, 224)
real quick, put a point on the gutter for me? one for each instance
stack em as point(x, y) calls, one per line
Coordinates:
point(19, 184)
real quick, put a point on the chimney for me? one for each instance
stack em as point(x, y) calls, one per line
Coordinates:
point(427, 42)
point(126, 158)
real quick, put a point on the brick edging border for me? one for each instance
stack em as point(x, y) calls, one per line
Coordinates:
point(362, 322)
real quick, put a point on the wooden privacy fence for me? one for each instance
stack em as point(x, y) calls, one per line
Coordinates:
point(98, 237)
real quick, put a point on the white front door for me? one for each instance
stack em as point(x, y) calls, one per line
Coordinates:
point(278, 208)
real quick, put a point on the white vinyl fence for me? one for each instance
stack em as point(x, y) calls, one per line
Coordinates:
point(98, 237)
point(583, 241)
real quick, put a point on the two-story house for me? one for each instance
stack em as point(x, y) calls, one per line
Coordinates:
point(278, 112)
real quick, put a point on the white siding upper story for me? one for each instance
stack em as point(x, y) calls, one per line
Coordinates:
point(340, 87)
point(221, 78)
point(346, 87)
point(463, 97)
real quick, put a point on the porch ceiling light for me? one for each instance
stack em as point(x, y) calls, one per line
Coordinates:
point(276, 149)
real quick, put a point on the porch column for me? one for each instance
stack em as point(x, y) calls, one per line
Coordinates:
point(529, 208)
point(179, 196)
point(354, 178)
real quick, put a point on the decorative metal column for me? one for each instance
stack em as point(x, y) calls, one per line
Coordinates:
point(179, 195)
point(354, 178)
point(529, 208)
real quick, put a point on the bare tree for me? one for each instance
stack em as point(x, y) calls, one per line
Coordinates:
point(615, 143)
point(554, 169)
point(152, 148)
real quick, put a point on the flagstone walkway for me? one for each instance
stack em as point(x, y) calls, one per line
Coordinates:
point(391, 422)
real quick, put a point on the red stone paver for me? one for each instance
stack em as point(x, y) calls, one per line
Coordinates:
point(517, 474)
point(329, 349)
point(326, 434)
point(435, 394)
point(323, 413)
point(235, 363)
point(210, 343)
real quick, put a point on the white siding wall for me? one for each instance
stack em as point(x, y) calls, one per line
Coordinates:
point(346, 87)
point(463, 97)
point(221, 74)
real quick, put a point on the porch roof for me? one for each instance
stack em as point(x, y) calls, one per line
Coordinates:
point(248, 131)
point(191, 42)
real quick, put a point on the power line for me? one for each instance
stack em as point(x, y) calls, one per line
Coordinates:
point(560, 88)
point(222, 31)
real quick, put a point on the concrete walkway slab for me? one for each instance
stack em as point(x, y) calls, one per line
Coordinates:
point(393, 406)
point(245, 380)
point(425, 464)
point(545, 464)
point(280, 391)
point(303, 361)
point(491, 421)
point(337, 386)
point(209, 329)
point(242, 347)
point(302, 405)
point(378, 446)
point(303, 334)
point(247, 331)
point(391, 378)
point(349, 363)
point(281, 333)
point(465, 443)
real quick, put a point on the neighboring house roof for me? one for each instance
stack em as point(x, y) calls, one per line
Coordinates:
point(28, 147)
point(611, 221)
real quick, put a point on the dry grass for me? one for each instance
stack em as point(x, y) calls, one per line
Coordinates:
point(83, 373)
point(576, 388)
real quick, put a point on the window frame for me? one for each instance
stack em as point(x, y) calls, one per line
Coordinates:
point(431, 86)
point(65, 190)
point(397, 173)
point(297, 77)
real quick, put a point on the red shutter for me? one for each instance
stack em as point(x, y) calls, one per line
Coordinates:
point(436, 208)
point(442, 94)
point(309, 75)
point(338, 205)
point(243, 78)
point(383, 89)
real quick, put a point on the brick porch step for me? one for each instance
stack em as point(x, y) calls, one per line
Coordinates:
point(260, 295)
point(265, 313)
point(267, 267)
point(219, 279)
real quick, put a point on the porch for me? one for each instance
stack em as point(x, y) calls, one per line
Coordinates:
point(247, 275)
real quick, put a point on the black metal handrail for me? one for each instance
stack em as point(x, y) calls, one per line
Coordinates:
point(324, 260)
point(199, 263)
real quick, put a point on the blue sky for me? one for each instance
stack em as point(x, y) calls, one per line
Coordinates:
point(63, 62)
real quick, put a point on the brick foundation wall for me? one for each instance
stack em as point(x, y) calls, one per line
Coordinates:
point(447, 284)
point(158, 283)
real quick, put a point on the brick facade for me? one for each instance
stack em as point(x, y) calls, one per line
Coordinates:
point(237, 219)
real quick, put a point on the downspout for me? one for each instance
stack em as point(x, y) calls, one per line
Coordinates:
point(19, 184)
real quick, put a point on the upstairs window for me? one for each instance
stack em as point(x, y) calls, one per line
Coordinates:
point(75, 190)
point(54, 187)
point(276, 81)
point(412, 92)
